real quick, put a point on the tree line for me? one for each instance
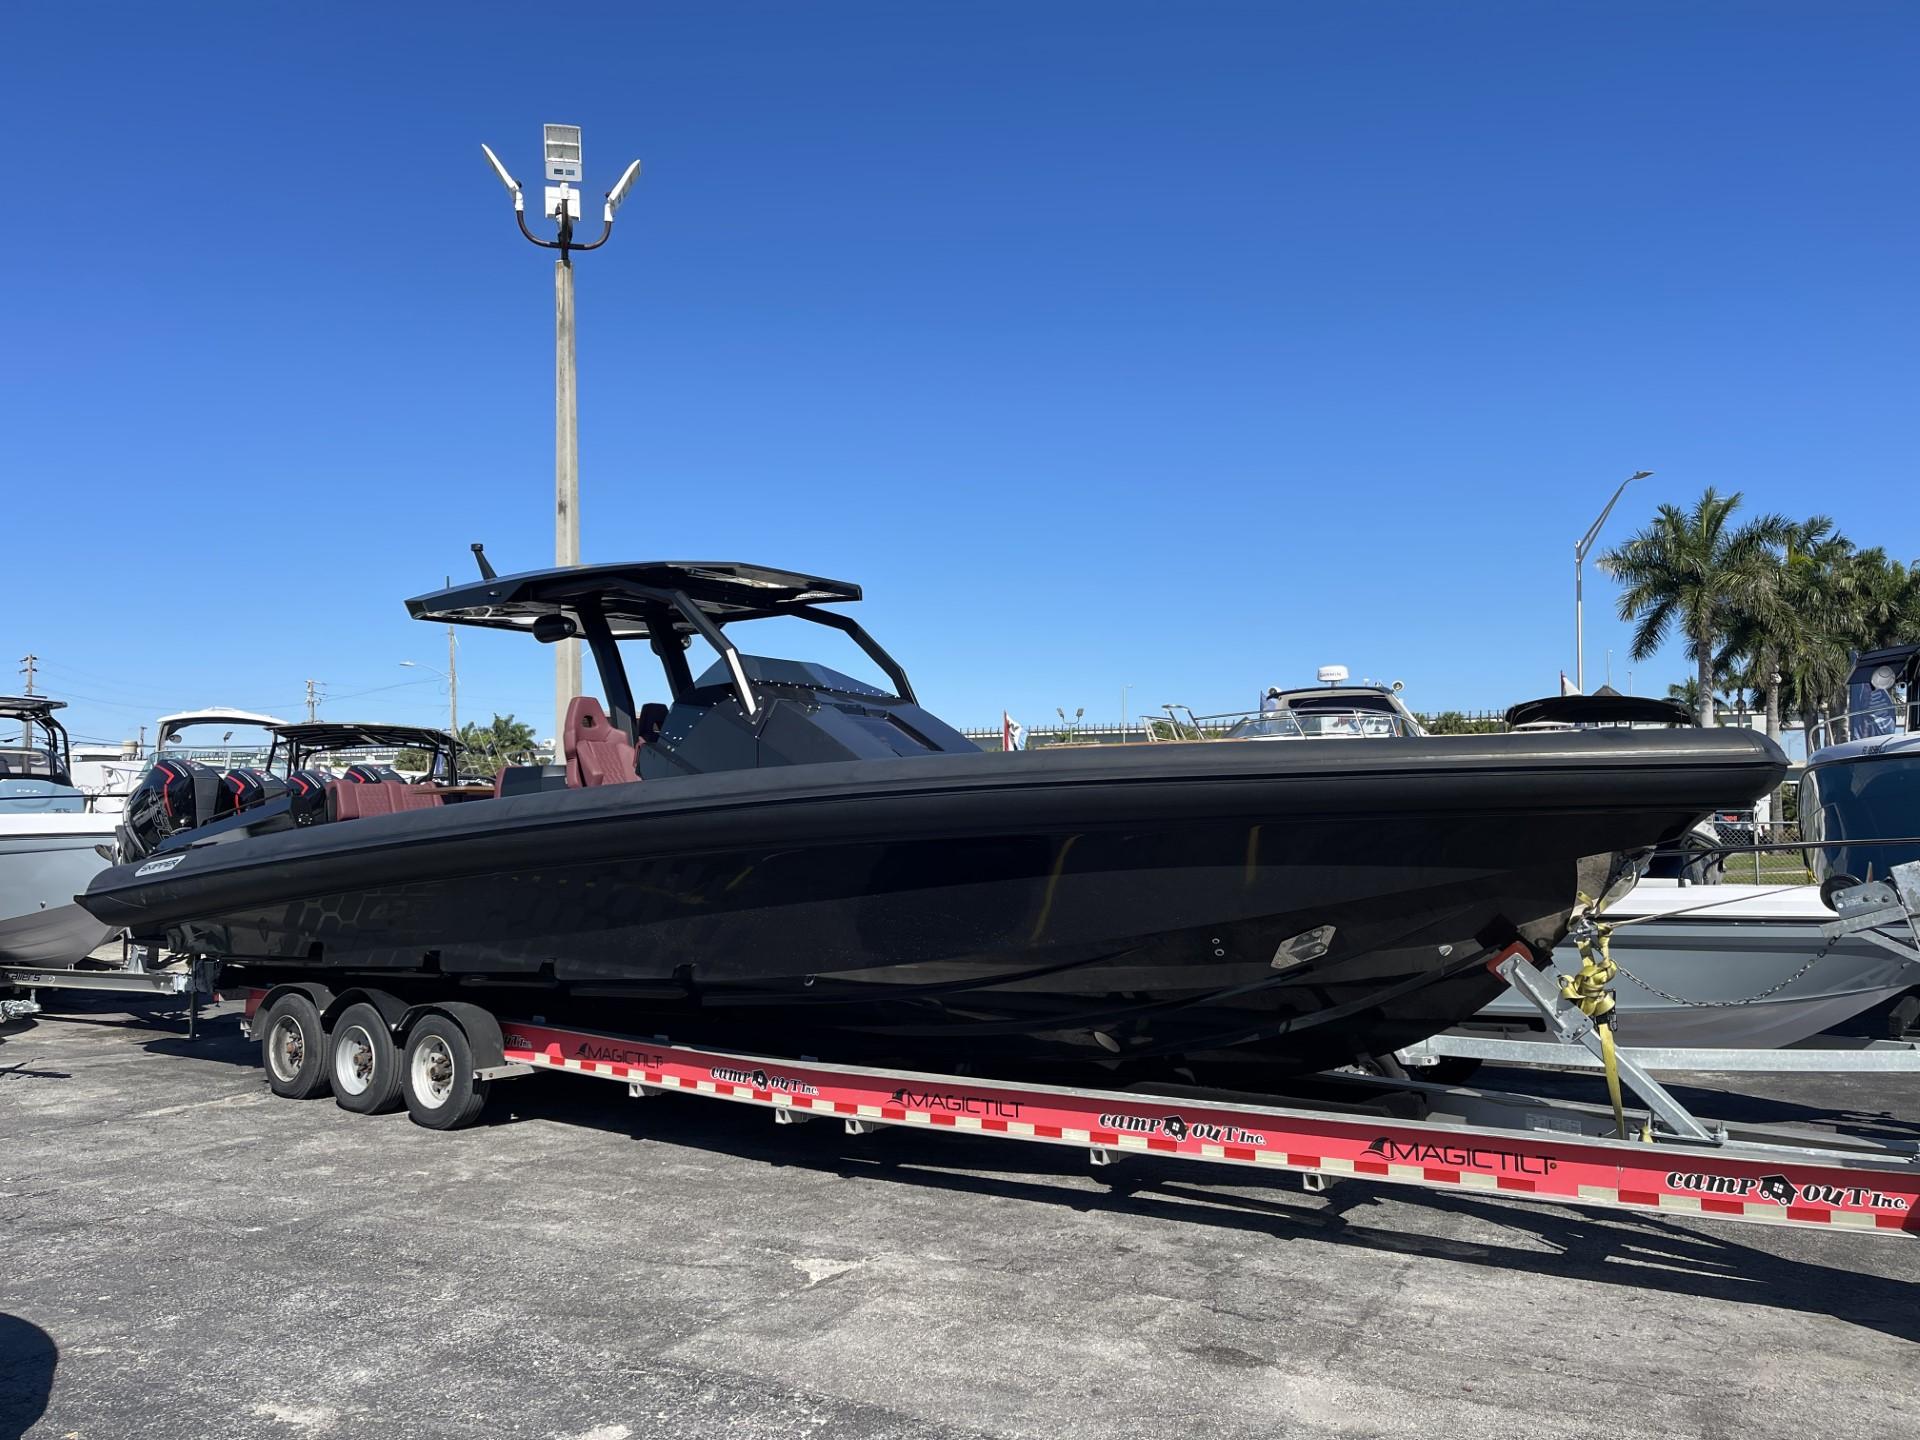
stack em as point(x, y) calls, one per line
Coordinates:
point(483, 748)
point(1769, 607)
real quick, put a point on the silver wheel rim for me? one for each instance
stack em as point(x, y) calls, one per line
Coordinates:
point(432, 1072)
point(353, 1060)
point(286, 1048)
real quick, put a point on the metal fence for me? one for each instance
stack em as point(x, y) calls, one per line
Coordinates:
point(1759, 852)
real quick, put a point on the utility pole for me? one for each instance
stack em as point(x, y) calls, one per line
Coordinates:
point(562, 148)
point(313, 699)
point(27, 663)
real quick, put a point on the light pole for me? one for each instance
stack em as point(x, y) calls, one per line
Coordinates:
point(1580, 548)
point(563, 205)
point(1125, 690)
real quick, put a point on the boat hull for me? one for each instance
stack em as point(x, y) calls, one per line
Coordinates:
point(1116, 908)
point(1751, 958)
point(45, 861)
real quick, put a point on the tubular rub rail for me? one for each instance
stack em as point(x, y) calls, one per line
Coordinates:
point(1782, 1181)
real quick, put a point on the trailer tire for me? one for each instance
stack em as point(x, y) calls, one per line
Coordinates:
point(293, 1048)
point(363, 1061)
point(436, 1075)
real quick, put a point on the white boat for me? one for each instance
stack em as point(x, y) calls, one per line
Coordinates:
point(58, 827)
point(106, 774)
point(1725, 967)
point(51, 845)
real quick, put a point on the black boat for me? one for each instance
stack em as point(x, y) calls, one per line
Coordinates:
point(784, 856)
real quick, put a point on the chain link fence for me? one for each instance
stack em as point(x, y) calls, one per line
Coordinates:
point(1746, 855)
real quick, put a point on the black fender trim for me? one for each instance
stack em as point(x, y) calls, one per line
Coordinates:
point(392, 1008)
point(480, 1025)
point(320, 995)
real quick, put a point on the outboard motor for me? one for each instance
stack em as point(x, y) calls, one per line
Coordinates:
point(371, 774)
point(244, 787)
point(175, 795)
point(307, 796)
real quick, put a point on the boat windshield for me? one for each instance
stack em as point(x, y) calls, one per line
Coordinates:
point(1883, 699)
point(1333, 723)
point(29, 762)
point(1274, 725)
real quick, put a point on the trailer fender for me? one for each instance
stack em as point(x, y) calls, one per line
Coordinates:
point(320, 995)
point(479, 1024)
point(392, 1008)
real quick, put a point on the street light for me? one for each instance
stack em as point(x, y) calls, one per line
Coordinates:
point(453, 692)
point(1580, 548)
point(561, 150)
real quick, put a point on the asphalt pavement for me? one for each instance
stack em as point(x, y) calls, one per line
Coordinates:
point(185, 1255)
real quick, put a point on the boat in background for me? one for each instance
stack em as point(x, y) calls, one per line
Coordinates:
point(1723, 967)
point(107, 773)
point(1860, 795)
point(1331, 710)
point(51, 844)
point(1733, 966)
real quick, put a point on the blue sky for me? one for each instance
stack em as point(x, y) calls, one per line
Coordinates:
point(1180, 347)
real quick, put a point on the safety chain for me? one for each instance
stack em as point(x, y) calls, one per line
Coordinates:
point(1771, 990)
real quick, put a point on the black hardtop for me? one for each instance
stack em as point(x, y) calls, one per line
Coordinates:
point(634, 595)
point(352, 735)
point(29, 707)
point(1307, 696)
point(1614, 709)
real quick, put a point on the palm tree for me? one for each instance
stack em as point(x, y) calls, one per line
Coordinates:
point(1687, 693)
point(1886, 597)
point(504, 741)
point(1781, 627)
point(1687, 572)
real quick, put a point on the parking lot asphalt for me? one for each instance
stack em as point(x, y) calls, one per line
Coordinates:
point(185, 1255)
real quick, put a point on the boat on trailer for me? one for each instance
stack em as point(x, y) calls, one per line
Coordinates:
point(780, 850)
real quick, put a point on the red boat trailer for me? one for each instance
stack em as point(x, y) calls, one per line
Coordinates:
point(442, 1059)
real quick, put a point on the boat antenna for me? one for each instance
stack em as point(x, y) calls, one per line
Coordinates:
point(480, 559)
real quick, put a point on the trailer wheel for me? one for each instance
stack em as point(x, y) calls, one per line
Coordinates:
point(293, 1048)
point(437, 1076)
point(364, 1060)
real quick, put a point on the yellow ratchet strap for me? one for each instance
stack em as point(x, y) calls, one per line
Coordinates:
point(1588, 989)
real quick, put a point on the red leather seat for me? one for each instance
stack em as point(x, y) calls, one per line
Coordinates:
point(596, 753)
point(379, 797)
